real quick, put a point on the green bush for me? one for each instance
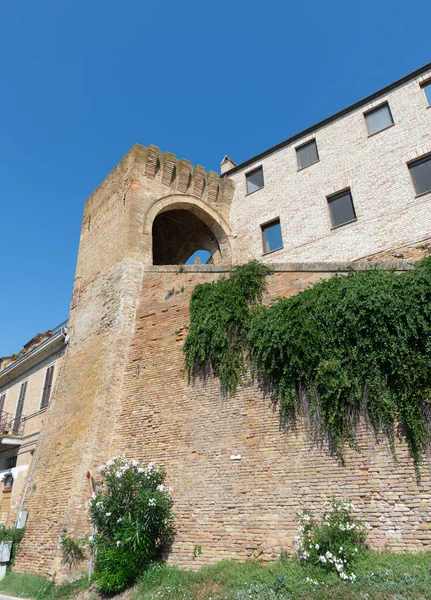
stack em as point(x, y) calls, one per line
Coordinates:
point(132, 511)
point(335, 542)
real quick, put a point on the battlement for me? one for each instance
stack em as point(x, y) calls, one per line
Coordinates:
point(181, 175)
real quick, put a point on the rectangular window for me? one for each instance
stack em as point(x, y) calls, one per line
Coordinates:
point(341, 208)
point(379, 118)
point(10, 463)
point(19, 408)
point(2, 401)
point(271, 235)
point(427, 91)
point(420, 171)
point(254, 180)
point(47, 386)
point(307, 154)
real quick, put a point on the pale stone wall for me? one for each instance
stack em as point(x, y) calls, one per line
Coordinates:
point(33, 421)
point(374, 167)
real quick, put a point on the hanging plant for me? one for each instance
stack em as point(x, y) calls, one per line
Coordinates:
point(356, 344)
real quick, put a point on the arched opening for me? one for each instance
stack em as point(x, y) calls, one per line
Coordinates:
point(200, 257)
point(178, 234)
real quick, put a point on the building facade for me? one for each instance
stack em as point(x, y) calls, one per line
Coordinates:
point(27, 381)
point(351, 190)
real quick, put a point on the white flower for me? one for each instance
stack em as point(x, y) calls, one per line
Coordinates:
point(140, 470)
point(150, 466)
point(317, 546)
point(322, 559)
point(99, 503)
point(134, 463)
point(341, 549)
point(306, 518)
point(160, 488)
point(118, 543)
point(119, 520)
point(90, 538)
point(343, 576)
point(152, 502)
point(352, 577)
point(108, 514)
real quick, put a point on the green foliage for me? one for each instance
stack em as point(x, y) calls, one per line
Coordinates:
point(220, 321)
point(351, 345)
point(11, 534)
point(24, 585)
point(132, 511)
point(379, 576)
point(116, 568)
point(72, 549)
point(335, 543)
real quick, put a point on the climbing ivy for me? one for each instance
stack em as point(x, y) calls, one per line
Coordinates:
point(220, 321)
point(354, 344)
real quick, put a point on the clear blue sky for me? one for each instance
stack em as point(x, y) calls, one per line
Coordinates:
point(82, 81)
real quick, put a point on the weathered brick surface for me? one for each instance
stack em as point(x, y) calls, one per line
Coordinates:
point(242, 508)
point(123, 389)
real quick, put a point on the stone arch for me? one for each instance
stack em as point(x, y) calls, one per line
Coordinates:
point(176, 226)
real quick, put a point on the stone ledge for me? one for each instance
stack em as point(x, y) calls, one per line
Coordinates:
point(311, 267)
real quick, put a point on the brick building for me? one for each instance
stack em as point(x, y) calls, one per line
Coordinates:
point(350, 190)
point(26, 383)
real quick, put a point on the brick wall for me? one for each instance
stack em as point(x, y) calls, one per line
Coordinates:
point(246, 507)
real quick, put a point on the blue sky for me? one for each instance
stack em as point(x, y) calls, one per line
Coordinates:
point(82, 81)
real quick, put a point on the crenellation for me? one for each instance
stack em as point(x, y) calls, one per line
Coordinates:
point(238, 478)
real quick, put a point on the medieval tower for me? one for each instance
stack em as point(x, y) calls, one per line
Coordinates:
point(347, 192)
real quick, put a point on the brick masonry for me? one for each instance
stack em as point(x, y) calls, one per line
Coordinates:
point(123, 390)
point(246, 507)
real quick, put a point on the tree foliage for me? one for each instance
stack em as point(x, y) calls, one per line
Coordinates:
point(354, 344)
point(132, 512)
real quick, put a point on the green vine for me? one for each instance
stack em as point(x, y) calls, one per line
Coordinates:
point(355, 344)
point(220, 322)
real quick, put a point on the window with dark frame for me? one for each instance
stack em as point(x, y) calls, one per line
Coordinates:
point(307, 154)
point(47, 386)
point(427, 91)
point(10, 463)
point(420, 170)
point(254, 180)
point(271, 236)
point(8, 482)
point(2, 401)
point(341, 208)
point(379, 118)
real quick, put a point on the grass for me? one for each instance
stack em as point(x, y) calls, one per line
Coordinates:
point(33, 586)
point(379, 577)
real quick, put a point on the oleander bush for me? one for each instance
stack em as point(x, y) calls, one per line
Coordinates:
point(335, 542)
point(132, 512)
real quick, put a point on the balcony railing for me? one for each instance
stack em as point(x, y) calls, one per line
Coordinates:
point(59, 327)
point(9, 425)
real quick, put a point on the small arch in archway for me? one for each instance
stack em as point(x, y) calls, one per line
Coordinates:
point(178, 234)
point(203, 255)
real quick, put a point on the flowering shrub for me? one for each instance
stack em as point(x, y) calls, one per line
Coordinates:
point(335, 542)
point(132, 511)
